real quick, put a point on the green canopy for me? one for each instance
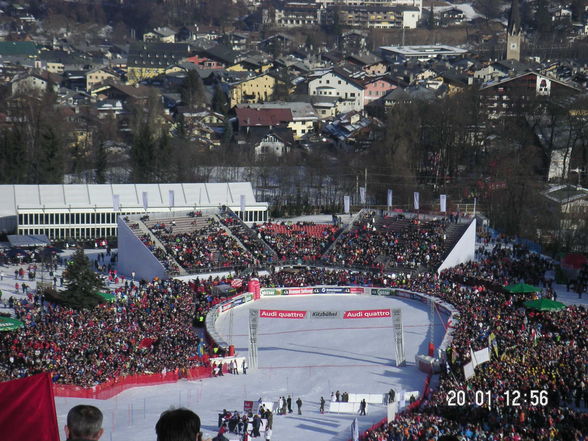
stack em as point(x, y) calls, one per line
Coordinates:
point(544, 305)
point(9, 324)
point(106, 296)
point(522, 288)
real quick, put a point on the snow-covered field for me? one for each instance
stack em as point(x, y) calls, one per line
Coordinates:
point(304, 358)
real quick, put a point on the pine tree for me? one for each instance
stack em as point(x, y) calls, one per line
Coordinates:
point(51, 159)
point(82, 283)
point(101, 163)
point(219, 101)
point(431, 23)
point(192, 90)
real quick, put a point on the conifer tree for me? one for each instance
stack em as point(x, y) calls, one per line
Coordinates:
point(82, 282)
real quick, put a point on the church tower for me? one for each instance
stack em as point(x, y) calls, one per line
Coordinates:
point(513, 33)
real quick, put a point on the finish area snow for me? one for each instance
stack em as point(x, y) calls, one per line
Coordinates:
point(306, 358)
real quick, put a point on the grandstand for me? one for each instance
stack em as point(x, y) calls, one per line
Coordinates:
point(90, 211)
point(163, 245)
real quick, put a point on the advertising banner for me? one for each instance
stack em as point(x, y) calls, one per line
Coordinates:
point(382, 291)
point(417, 197)
point(171, 196)
point(331, 290)
point(367, 313)
point(362, 195)
point(145, 200)
point(389, 199)
point(347, 204)
point(242, 204)
point(281, 314)
point(443, 203)
point(247, 406)
point(116, 202)
point(324, 314)
point(226, 306)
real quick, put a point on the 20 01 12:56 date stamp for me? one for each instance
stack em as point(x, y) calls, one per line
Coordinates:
point(508, 398)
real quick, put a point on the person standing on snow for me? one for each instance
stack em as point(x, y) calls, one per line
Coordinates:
point(299, 404)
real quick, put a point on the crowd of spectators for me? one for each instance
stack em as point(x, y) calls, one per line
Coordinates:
point(249, 238)
point(204, 248)
point(167, 261)
point(300, 242)
point(147, 329)
point(390, 243)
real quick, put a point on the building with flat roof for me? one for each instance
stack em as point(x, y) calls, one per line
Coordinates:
point(420, 52)
point(89, 211)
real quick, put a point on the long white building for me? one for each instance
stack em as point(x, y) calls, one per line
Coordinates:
point(90, 211)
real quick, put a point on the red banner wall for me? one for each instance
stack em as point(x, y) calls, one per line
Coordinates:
point(113, 387)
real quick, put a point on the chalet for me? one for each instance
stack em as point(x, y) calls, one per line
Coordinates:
point(248, 117)
point(252, 90)
point(39, 81)
point(337, 83)
point(113, 90)
point(161, 35)
point(370, 64)
point(502, 97)
point(452, 16)
point(377, 87)
point(99, 75)
point(303, 120)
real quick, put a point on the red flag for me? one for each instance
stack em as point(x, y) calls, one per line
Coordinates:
point(147, 342)
point(28, 409)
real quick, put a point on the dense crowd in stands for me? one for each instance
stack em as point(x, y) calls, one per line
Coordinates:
point(167, 262)
point(148, 328)
point(391, 243)
point(259, 249)
point(303, 242)
point(204, 248)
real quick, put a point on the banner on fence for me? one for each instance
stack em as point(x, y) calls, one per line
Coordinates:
point(281, 314)
point(367, 313)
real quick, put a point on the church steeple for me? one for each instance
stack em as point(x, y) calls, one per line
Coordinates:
point(513, 33)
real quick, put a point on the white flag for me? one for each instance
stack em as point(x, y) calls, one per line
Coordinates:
point(481, 356)
point(116, 202)
point(468, 370)
point(145, 200)
point(362, 195)
point(171, 196)
point(389, 202)
point(417, 197)
point(443, 203)
point(242, 201)
point(347, 204)
point(354, 430)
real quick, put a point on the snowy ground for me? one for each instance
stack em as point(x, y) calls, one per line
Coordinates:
point(304, 358)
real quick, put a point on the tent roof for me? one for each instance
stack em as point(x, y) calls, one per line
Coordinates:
point(39, 240)
point(79, 196)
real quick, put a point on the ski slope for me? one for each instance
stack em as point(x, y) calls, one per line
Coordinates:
point(303, 358)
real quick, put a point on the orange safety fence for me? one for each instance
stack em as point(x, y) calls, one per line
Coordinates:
point(113, 387)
